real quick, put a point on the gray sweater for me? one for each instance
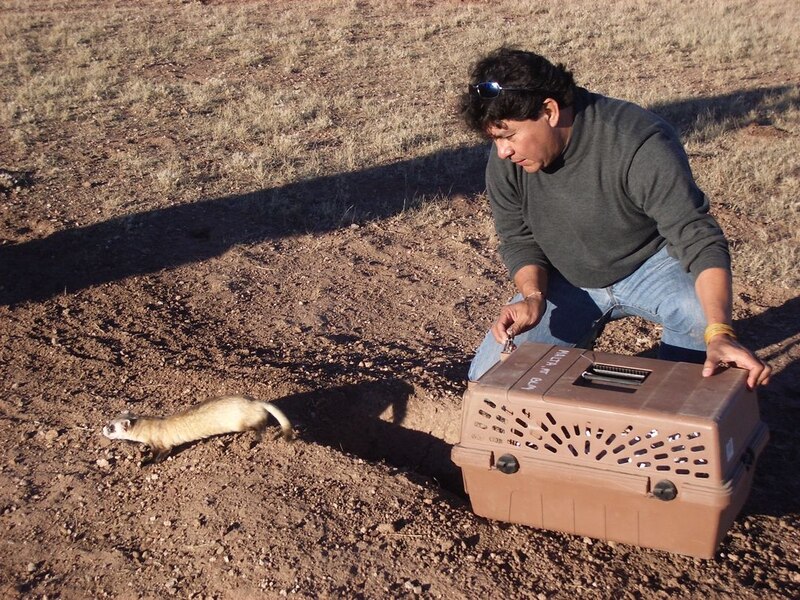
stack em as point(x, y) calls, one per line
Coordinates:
point(621, 191)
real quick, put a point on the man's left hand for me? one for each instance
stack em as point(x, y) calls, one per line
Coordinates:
point(723, 349)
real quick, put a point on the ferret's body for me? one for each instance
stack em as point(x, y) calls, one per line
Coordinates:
point(228, 414)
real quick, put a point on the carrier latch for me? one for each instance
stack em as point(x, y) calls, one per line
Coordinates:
point(665, 490)
point(507, 464)
point(508, 347)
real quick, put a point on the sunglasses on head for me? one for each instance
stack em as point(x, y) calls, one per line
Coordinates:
point(491, 89)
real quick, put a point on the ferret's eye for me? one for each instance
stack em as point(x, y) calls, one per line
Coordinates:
point(110, 428)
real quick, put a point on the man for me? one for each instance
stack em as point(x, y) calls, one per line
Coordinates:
point(598, 217)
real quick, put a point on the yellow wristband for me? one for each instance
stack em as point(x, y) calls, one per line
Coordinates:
point(532, 294)
point(716, 329)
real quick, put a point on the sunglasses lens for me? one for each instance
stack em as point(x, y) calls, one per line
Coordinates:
point(488, 89)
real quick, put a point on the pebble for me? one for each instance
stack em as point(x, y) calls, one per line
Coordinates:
point(385, 528)
point(102, 463)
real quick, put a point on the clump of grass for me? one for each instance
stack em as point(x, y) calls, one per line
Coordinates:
point(170, 176)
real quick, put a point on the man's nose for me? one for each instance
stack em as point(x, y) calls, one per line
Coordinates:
point(504, 149)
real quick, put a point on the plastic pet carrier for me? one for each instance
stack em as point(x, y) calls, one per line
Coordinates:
point(634, 450)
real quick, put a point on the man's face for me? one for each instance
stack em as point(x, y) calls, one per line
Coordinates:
point(533, 144)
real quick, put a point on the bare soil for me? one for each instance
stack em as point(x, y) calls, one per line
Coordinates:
point(361, 330)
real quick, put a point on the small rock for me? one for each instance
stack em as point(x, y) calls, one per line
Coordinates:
point(102, 463)
point(170, 586)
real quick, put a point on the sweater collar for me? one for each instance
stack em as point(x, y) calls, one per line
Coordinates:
point(572, 148)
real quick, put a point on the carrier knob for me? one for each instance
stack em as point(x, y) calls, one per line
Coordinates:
point(507, 464)
point(665, 490)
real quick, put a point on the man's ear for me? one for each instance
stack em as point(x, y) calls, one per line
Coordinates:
point(552, 111)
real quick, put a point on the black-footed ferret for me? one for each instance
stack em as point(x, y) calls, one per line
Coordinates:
point(227, 414)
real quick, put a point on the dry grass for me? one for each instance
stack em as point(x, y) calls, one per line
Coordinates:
point(262, 94)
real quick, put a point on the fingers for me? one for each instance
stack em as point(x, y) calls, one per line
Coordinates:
point(722, 352)
point(499, 332)
point(759, 375)
point(514, 319)
point(501, 327)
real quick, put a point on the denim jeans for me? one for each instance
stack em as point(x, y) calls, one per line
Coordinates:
point(659, 291)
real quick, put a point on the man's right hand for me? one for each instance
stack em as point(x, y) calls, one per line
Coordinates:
point(518, 317)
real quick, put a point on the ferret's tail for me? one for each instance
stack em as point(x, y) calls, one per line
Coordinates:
point(286, 425)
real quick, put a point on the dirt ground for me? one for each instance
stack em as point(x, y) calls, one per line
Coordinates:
point(361, 332)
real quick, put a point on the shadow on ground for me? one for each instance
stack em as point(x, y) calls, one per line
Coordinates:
point(74, 259)
point(349, 419)
point(739, 108)
point(774, 490)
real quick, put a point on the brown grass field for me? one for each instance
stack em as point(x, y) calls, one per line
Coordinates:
point(277, 198)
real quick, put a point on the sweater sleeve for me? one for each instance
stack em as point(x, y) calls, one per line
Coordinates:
point(518, 247)
point(660, 180)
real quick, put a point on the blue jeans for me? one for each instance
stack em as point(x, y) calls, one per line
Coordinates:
point(659, 291)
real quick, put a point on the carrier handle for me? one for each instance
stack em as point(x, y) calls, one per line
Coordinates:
point(615, 375)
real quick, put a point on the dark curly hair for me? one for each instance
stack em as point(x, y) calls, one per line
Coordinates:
point(514, 68)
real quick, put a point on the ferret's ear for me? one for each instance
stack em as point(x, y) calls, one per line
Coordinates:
point(125, 424)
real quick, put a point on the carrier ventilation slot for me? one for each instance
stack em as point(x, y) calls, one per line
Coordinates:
point(639, 447)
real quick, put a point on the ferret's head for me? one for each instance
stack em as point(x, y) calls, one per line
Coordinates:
point(119, 428)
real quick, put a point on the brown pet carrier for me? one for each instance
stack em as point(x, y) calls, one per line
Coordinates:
point(634, 450)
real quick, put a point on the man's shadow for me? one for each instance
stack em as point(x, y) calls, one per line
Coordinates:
point(74, 259)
